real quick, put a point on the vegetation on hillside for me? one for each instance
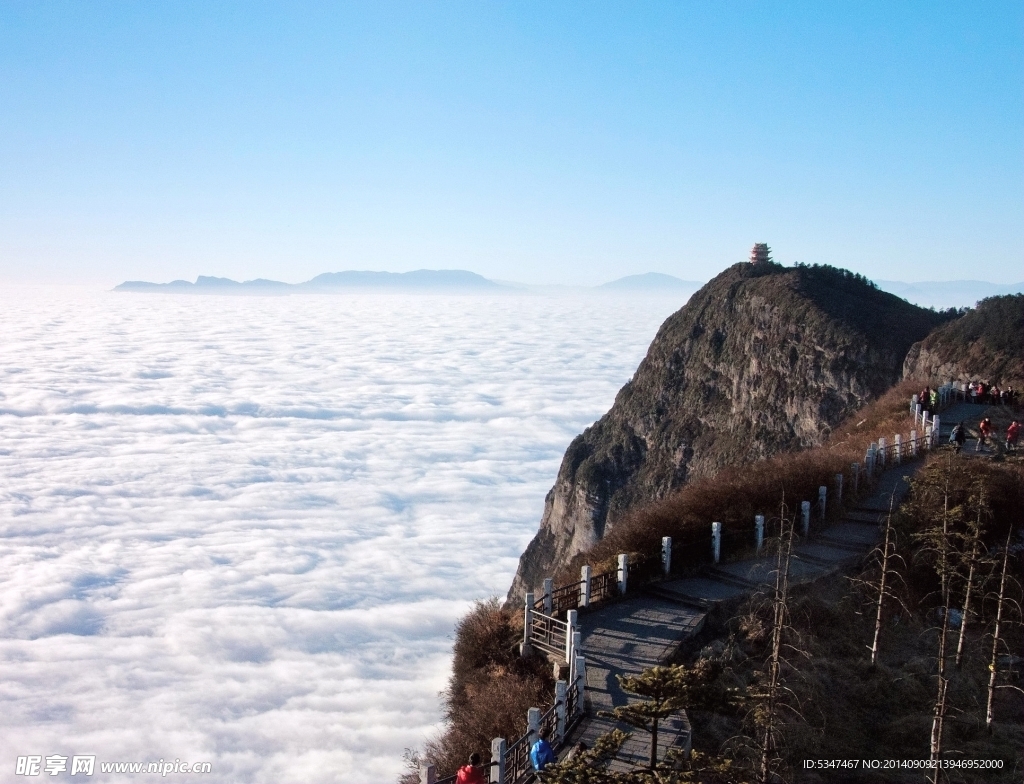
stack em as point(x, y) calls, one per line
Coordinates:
point(851, 709)
point(984, 344)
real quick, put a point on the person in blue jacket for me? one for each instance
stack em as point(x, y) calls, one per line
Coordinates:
point(541, 754)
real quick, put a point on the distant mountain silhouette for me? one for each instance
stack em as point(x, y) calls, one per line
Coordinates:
point(948, 293)
point(419, 280)
point(651, 281)
point(209, 285)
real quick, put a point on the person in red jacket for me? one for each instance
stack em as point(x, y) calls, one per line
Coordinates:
point(1012, 434)
point(471, 773)
point(985, 431)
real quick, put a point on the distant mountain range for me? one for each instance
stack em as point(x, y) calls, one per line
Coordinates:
point(938, 294)
point(457, 281)
point(948, 293)
point(652, 281)
point(419, 280)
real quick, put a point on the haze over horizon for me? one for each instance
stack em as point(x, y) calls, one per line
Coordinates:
point(554, 145)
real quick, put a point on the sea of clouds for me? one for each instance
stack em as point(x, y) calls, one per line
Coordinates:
point(241, 530)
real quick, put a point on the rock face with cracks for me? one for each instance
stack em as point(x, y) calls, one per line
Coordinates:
point(763, 359)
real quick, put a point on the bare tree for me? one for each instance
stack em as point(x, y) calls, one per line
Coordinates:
point(994, 661)
point(944, 570)
point(771, 695)
point(972, 552)
point(887, 558)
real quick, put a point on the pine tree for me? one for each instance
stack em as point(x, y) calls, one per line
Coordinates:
point(664, 692)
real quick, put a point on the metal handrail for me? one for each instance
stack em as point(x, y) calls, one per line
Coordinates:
point(604, 586)
point(565, 598)
point(548, 633)
point(517, 759)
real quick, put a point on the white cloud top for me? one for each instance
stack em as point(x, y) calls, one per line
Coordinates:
point(240, 530)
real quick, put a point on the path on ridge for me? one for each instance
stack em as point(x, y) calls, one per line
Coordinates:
point(627, 637)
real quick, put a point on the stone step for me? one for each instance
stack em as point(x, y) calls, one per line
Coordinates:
point(851, 547)
point(863, 516)
point(722, 576)
point(678, 597)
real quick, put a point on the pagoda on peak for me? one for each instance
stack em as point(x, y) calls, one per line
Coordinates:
point(760, 253)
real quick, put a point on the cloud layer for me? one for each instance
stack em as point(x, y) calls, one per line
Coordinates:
point(240, 530)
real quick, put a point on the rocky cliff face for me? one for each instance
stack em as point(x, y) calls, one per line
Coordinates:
point(761, 360)
point(986, 344)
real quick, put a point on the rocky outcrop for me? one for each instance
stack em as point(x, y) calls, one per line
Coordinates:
point(761, 360)
point(986, 344)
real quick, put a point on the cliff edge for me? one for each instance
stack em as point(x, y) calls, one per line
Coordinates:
point(761, 360)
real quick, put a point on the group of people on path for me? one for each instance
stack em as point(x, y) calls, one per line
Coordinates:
point(986, 433)
point(981, 393)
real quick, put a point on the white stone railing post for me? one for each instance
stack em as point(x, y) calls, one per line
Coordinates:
point(716, 541)
point(527, 625)
point(560, 689)
point(580, 674)
point(549, 586)
point(498, 748)
point(881, 453)
point(666, 555)
point(869, 460)
point(759, 532)
point(805, 516)
point(577, 646)
point(913, 403)
point(623, 573)
point(584, 586)
point(839, 490)
point(898, 440)
point(822, 503)
point(913, 443)
point(428, 774)
point(936, 429)
point(570, 631)
point(929, 438)
point(533, 722)
point(855, 471)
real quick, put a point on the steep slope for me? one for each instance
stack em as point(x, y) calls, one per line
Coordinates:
point(761, 360)
point(987, 344)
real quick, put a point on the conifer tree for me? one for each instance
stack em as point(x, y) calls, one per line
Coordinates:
point(665, 691)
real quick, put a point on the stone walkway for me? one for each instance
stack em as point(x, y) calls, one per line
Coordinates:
point(628, 637)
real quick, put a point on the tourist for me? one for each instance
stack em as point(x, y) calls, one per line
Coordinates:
point(985, 431)
point(1012, 434)
point(471, 773)
point(541, 754)
point(957, 438)
point(933, 401)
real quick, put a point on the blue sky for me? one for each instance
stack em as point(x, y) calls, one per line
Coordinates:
point(541, 142)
